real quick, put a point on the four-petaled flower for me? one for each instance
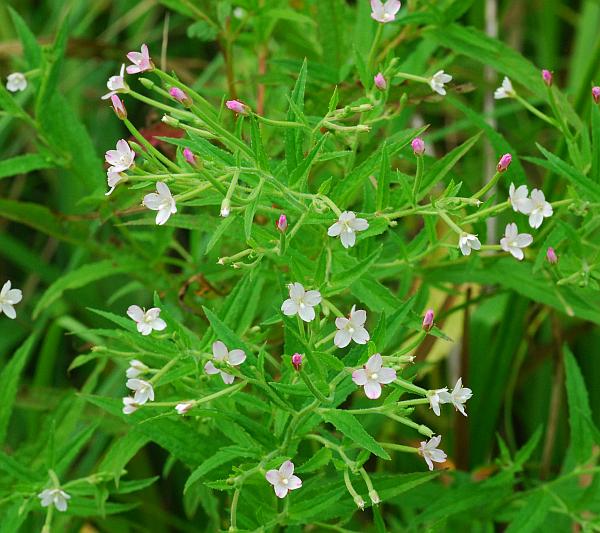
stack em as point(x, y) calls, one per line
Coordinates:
point(146, 321)
point(16, 82)
point(505, 90)
point(468, 242)
point(518, 198)
point(129, 405)
point(384, 12)
point(136, 368)
point(122, 158)
point(513, 241)
point(438, 80)
point(283, 480)
point(162, 201)
point(539, 209)
point(457, 397)
point(223, 355)
point(141, 61)
point(116, 84)
point(346, 228)
point(301, 302)
point(429, 451)
point(373, 375)
point(435, 399)
point(8, 299)
point(351, 328)
point(143, 390)
point(56, 497)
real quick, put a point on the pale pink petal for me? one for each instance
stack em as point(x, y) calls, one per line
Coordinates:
point(281, 490)
point(335, 229)
point(219, 350)
point(359, 376)
point(360, 335)
point(348, 239)
point(306, 313)
point(210, 368)
point(135, 312)
point(312, 298)
point(286, 469)
point(374, 363)
point(272, 476)
point(372, 390)
point(227, 378)
point(386, 375)
point(296, 291)
point(294, 483)
point(152, 201)
point(342, 338)
point(289, 308)
point(236, 357)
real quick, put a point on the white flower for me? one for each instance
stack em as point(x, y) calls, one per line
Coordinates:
point(505, 90)
point(136, 368)
point(435, 399)
point(373, 375)
point(518, 199)
point(56, 497)
point(438, 80)
point(113, 178)
point(183, 407)
point(301, 302)
point(161, 201)
point(129, 405)
point(143, 390)
point(223, 355)
point(352, 328)
point(146, 320)
point(384, 12)
point(429, 451)
point(122, 158)
point(283, 480)
point(116, 84)
point(513, 241)
point(346, 227)
point(16, 82)
point(540, 209)
point(458, 397)
point(468, 242)
point(8, 298)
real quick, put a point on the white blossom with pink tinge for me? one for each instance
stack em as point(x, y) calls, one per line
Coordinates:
point(8, 299)
point(116, 84)
point(122, 158)
point(301, 302)
point(283, 480)
point(223, 355)
point(351, 328)
point(373, 375)
point(162, 201)
point(429, 451)
point(384, 12)
point(540, 208)
point(146, 321)
point(141, 61)
point(513, 241)
point(346, 227)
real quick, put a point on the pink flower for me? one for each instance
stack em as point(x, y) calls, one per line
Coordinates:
point(504, 162)
point(122, 158)
point(141, 61)
point(547, 77)
point(190, 157)
point(380, 82)
point(428, 319)
point(282, 223)
point(116, 84)
point(118, 107)
point(551, 256)
point(384, 12)
point(237, 107)
point(596, 94)
point(225, 357)
point(418, 146)
point(113, 179)
point(283, 480)
point(297, 360)
point(373, 375)
point(180, 96)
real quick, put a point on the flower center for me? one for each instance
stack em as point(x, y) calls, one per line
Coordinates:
point(302, 305)
point(350, 329)
point(285, 480)
point(374, 376)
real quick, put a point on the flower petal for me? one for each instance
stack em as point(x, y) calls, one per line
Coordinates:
point(360, 377)
point(372, 390)
point(237, 357)
point(219, 350)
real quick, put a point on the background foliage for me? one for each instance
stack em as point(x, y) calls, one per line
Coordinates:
point(527, 347)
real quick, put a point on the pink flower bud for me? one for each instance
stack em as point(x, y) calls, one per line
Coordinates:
point(177, 94)
point(190, 157)
point(282, 223)
point(380, 82)
point(418, 146)
point(428, 319)
point(297, 360)
point(547, 77)
point(551, 256)
point(596, 94)
point(118, 107)
point(237, 107)
point(504, 162)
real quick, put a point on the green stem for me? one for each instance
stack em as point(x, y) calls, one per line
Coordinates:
point(374, 46)
point(158, 155)
point(444, 216)
point(316, 392)
point(488, 185)
point(418, 178)
point(537, 112)
point(399, 447)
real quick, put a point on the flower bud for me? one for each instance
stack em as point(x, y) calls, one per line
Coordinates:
point(183, 407)
point(380, 82)
point(360, 503)
point(282, 223)
point(504, 162)
point(190, 157)
point(374, 497)
point(418, 146)
point(237, 107)
point(596, 94)
point(551, 256)
point(171, 121)
point(225, 208)
point(177, 94)
point(118, 107)
point(297, 361)
point(547, 77)
point(428, 320)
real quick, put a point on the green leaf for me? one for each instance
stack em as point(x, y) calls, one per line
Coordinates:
point(203, 31)
point(533, 512)
point(316, 461)
point(22, 164)
point(353, 429)
point(226, 334)
point(293, 138)
point(595, 173)
point(10, 377)
point(383, 180)
point(31, 48)
point(218, 233)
